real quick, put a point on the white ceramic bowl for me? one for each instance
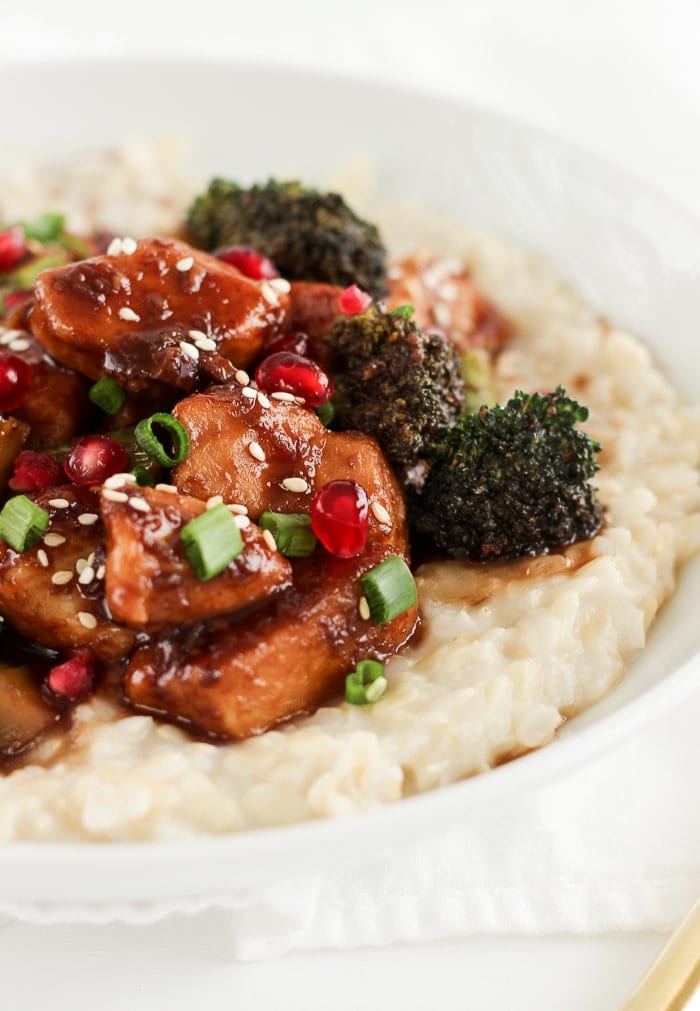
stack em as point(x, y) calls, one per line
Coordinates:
point(630, 251)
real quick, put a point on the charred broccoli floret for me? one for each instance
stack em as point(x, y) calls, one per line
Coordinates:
point(310, 236)
point(394, 382)
point(511, 480)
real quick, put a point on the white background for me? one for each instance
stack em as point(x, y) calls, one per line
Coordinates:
point(621, 77)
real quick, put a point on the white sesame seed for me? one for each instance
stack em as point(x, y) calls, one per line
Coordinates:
point(280, 285)
point(249, 393)
point(101, 572)
point(242, 377)
point(287, 398)
point(87, 620)
point(170, 488)
point(88, 519)
point(43, 558)
point(19, 344)
point(186, 263)
point(114, 496)
point(119, 480)
point(139, 504)
point(263, 401)
point(81, 565)
point(86, 576)
point(442, 314)
point(128, 245)
point(238, 509)
point(91, 558)
point(205, 343)
point(269, 293)
point(61, 577)
point(269, 539)
point(115, 247)
point(59, 503)
point(54, 540)
point(242, 522)
point(190, 350)
point(364, 609)
point(299, 400)
point(128, 314)
point(214, 500)
point(196, 335)
point(381, 514)
point(295, 484)
point(256, 451)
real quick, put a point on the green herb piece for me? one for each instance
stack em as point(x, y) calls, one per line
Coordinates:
point(109, 396)
point(390, 589)
point(366, 683)
point(45, 228)
point(407, 311)
point(292, 532)
point(25, 276)
point(325, 412)
point(211, 541)
point(22, 523)
point(144, 477)
point(175, 436)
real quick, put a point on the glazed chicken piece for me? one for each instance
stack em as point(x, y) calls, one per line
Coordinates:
point(57, 408)
point(43, 594)
point(162, 314)
point(234, 680)
point(149, 581)
point(442, 293)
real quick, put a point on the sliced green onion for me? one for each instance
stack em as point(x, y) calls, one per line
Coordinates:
point(390, 589)
point(22, 523)
point(155, 447)
point(292, 532)
point(45, 228)
point(144, 477)
point(26, 275)
point(109, 396)
point(325, 412)
point(211, 541)
point(406, 311)
point(366, 683)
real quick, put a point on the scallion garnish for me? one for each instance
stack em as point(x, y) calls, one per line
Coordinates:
point(292, 532)
point(406, 311)
point(109, 396)
point(325, 412)
point(211, 541)
point(366, 683)
point(390, 589)
point(175, 434)
point(22, 523)
point(144, 477)
point(45, 228)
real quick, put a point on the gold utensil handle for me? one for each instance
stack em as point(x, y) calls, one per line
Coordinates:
point(675, 975)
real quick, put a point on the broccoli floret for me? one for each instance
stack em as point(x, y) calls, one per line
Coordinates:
point(511, 481)
point(310, 236)
point(394, 382)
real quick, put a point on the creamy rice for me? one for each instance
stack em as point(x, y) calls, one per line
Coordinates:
point(507, 654)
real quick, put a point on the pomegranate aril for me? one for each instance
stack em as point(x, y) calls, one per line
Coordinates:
point(353, 300)
point(15, 377)
point(13, 247)
point(249, 261)
point(340, 518)
point(34, 471)
point(94, 458)
point(294, 341)
point(73, 679)
point(285, 372)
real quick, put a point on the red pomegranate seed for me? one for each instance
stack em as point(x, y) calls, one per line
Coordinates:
point(73, 679)
point(95, 458)
point(353, 300)
point(340, 517)
point(249, 261)
point(16, 298)
point(285, 372)
point(34, 471)
point(294, 341)
point(15, 377)
point(13, 248)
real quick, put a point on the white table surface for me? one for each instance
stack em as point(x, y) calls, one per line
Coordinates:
point(620, 76)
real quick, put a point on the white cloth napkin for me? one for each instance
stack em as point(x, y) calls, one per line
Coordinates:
point(615, 846)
